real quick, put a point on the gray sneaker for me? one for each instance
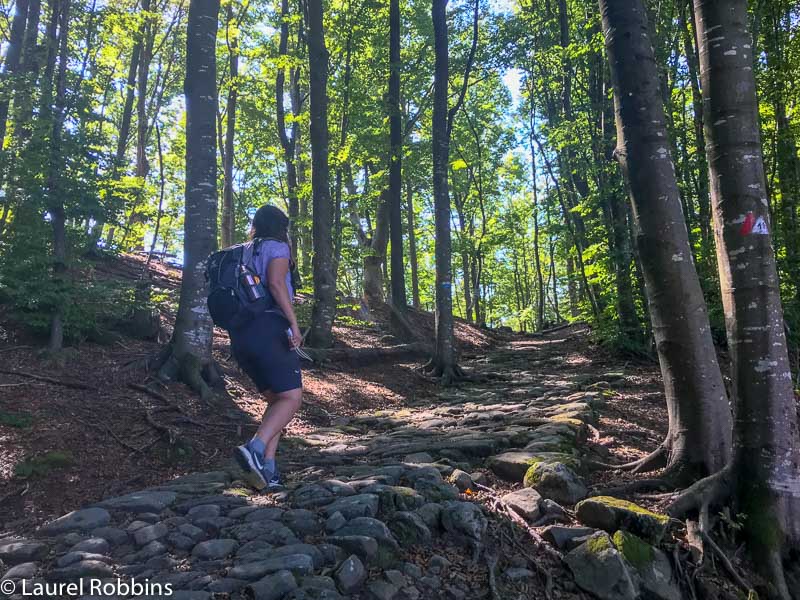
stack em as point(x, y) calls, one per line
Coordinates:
point(252, 465)
point(274, 482)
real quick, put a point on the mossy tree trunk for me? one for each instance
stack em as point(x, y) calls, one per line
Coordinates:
point(766, 460)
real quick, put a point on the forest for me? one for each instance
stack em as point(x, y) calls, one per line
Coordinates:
point(512, 166)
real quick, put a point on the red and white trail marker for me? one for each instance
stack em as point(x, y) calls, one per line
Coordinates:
point(753, 225)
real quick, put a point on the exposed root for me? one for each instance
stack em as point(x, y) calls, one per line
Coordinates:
point(698, 496)
point(204, 377)
point(651, 462)
point(446, 374)
point(70, 384)
point(628, 489)
point(491, 566)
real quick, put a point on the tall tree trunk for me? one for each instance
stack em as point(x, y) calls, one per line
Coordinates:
point(287, 143)
point(443, 362)
point(192, 338)
point(412, 246)
point(12, 63)
point(766, 458)
point(540, 289)
point(228, 219)
point(395, 197)
point(324, 310)
point(698, 442)
point(55, 203)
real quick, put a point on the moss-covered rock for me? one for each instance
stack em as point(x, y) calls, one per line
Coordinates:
point(635, 550)
point(555, 481)
point(512, 466)
point(599, 569)
point(612, 514)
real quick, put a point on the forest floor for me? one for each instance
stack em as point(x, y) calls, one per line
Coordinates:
point(368, 434)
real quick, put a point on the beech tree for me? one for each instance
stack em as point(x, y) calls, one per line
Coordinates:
point(699, 437)
point(764, 476)
point(324, 310)
point(189, 353)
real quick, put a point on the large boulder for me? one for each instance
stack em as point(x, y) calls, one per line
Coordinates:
point(599, 569)
point(556, 481)
point(651, 564)
point(466, 522)
point(612, 514)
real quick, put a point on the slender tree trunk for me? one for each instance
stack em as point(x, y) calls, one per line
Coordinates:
point(540, 289)
point(698, 442)
point(324, 310)
point(287, 143)
point(766, 458)
point(228, 219)
point(395, 198)
point(444, 360)
point(572, 288)
point(412, 246)
point(192, 338)
point(12, 63)
point(55, 203)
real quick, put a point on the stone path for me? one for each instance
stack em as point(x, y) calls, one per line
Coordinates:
point(373, 492)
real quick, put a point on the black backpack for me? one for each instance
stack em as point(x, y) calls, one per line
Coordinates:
point(229, 300)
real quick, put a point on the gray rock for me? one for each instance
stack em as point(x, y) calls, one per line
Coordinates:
point(226, 585)
point(302, 521)
point(651, 564)
point(333, 555)
point(600, 569)
point(257, 547)
point(152, 549)
point(93, 545)
point(78, 520)
point(439, 565)
point(113, 535)
point(359, 505)
point(513, 465)
point(412, 570)
point(381, 590)
point(613, 514)
point(409, 528)
point(300, 564)
point(554, 510)
point(19, 551)
point(180, 541)
point(318, 585)
point(269, 513)
point(192, 532)
point(461, 479)
point(268, 531)
point(366, 548)
point(215, 549)
point(213, 525)
point(338, 488)
point(435, 491)
point(85, 568)
point(525, 502)
point(431, 513)
point(148, 534)
point(396, 578)
point(224, 501)
point(563, 537)
point(556, 481)
point(21, 571)
point(204, 511)
point(73, 557)
point(242, 511)
point(334, 522)
point(136, 525)
point(312, 496)
point(518, 574)
point(140, 502)
point(272, 587)
point(418, 458)
point(309, 550)
point(350, 575)
point(148, 517)
point(466, 522)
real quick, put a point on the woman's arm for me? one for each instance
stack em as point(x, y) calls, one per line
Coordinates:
point(276, 281)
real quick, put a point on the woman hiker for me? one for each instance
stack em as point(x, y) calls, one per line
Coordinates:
point(266, 348)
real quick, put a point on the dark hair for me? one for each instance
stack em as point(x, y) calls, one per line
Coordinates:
point(270, 222)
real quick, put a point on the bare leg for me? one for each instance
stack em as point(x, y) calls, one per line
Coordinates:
point(278, 414)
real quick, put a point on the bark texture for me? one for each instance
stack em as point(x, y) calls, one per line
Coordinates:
point(193, 334)
point(324, 310)
point(766, 461)
point(395, 198)
point(699, 437)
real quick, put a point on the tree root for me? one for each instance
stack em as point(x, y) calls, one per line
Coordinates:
point(204, 377)
point(446, 374)
point(70, 384)
point(726, 562)
point(628, 489)
point(701, 494)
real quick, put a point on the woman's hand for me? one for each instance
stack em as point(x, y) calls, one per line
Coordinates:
point(297, 338)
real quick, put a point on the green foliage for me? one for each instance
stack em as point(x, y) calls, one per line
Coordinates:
point(18, 420)
point(39, 466)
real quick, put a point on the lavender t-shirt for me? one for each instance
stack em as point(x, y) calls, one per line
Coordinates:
point(267, 250)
